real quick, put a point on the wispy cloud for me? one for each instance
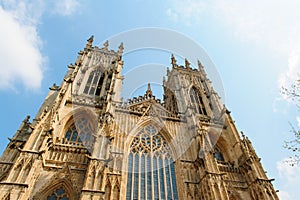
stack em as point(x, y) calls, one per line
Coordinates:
point(21, 60)
point(268, 22)
point(298, 120)
point(290, 175)
point(283, 195)
point(274, 24)
point(292, 73)
point(66, 7)
point(189, 11)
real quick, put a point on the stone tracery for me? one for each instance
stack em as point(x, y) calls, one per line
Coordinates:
point(149, 161)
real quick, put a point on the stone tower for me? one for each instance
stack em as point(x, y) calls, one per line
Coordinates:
point(86, 143)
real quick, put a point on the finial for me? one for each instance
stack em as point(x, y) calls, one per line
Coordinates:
point(243, 135)
point(187, 64)
point(149, 91)
point(105, 45)
point(199, 63)
point(89, 42)
point(91, 39)
point(26, 118)
point(54, 87)
point(121, 48)
point(201, 68)
point(173, 60)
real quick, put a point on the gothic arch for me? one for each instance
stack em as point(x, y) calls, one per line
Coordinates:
point(74, 120)
point(108, 188)
point(219, 143)
point(149, 158)
point(196, 100)
point(78, 113)
point(57, 184)
point(157, 124)
point(93, 80)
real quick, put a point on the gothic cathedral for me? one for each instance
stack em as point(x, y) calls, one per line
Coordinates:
point(87, 143)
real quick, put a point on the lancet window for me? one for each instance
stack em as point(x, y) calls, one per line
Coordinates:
point(94, 83)
point(151, 171)
point(218, 154)
point(197, 101)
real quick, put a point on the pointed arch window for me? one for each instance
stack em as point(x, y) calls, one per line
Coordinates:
point(151, 171)
point(80, 131)
point(58, 194)
point(218, 154)
point(94, 83)
point(197, 101)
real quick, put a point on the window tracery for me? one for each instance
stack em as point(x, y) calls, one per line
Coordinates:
point(58, 194)
point(94, 83)
point(81, 131)
point(151, 171)
point(197, 101)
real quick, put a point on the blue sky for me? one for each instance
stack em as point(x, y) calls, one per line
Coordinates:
point(255, 47)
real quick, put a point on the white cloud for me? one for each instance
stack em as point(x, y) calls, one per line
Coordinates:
point(266, 23)
point(187, 11)
point(274, 23)
point(298, 121)
point(283, 195)
point(66, 7)
point(288, 77)
point(21, 60)
point(289, 177)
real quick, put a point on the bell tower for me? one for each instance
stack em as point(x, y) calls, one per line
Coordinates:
point(70, 134)
point(219, 162)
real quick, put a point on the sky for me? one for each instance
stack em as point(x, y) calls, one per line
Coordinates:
point(254, 46)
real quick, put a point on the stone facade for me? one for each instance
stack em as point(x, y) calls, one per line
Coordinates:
point(86, 143)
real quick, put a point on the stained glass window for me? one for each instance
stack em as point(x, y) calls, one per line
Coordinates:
point(94, 83)
point(81, 131)
point(151, 171)
point(197, 101)
point(58, 194)
point(218, 154)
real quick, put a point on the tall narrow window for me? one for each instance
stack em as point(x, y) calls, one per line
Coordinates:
point(197, 101)
point(81, 131)
point(218, 154)
point(94, 83)
point(151, 171)
point(58, 194)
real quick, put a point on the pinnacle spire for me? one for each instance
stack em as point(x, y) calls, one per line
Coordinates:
point(187, 64)
point(149, 91)
point(89, 42)
point(173, 60)
point(201, 68)
point(105, 45)
point(91, 39)
point(121, 49)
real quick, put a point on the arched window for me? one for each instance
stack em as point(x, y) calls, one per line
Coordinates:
point(80, 131)
point(151, 171)
point(58, 194)
point(94, 83)
point(197, 101)
point(218, 154)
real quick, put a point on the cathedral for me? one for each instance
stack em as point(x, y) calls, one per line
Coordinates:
point(87, 143)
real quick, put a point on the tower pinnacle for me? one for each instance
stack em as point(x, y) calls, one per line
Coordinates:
point(149, 91)
point(89, 42)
